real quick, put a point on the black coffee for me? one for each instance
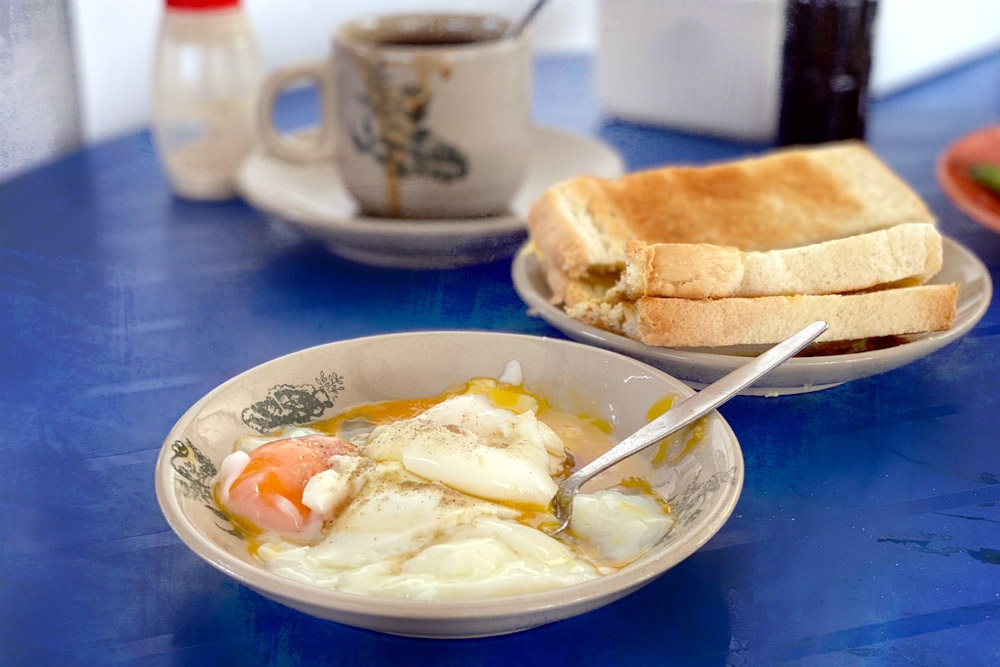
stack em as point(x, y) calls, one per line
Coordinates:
point(435, 40)
point(432, 30)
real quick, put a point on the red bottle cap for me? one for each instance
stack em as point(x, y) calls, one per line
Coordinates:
point(201, 4)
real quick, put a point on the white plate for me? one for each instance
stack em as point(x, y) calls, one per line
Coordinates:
point(311, 196)
point(700, 367)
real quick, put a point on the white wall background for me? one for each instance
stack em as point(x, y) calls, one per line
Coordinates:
point(920, 38)
point(79, 70)
point(39, 113)
point(114, 72)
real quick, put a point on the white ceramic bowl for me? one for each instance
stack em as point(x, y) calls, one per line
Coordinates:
point(702, 487)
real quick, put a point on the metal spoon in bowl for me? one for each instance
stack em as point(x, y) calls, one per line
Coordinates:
point(683, 414)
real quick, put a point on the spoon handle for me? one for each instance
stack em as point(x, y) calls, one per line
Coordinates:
point(515, 30)
point(696, 406)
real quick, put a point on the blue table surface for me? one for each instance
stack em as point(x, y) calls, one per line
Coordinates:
point(868, 531)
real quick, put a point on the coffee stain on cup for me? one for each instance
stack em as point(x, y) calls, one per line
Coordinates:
point(393, 128)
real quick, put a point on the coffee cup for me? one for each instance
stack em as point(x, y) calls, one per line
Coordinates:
point(424, 115)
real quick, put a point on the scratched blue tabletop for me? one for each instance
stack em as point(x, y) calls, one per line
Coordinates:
point(868, 531)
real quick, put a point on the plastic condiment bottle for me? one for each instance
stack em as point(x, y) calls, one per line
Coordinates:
point(825, 68)
point(207, 75)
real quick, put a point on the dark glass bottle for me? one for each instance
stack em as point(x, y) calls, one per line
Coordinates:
point(825, 67)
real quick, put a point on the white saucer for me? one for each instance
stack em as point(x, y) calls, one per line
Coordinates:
point(699, 367)
point(310, 195)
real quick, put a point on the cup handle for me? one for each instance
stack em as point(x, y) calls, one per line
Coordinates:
point(306, 146)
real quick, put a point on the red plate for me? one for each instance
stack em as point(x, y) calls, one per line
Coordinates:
point(976, 201)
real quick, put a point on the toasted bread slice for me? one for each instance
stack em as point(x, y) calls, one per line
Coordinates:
point(671, 322)
point(785, 199)
point(904, 255)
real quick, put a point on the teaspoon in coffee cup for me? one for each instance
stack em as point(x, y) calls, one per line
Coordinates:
point(681, 415)
point(515, 29)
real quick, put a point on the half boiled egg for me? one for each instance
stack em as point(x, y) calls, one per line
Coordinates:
point(263, 490)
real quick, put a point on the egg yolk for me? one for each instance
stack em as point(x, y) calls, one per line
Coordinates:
point(267, 494)
point(517, 399)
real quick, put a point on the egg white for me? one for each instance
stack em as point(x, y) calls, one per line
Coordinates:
point(475, 448)
point(618, 526)
point(248, 443)
point(404, 538)
point(424, 510)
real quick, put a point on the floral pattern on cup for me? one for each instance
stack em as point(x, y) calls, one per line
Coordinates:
point(393, 131)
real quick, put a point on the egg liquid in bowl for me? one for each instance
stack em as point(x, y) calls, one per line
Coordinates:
point(442, 498)
point(371, 483)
